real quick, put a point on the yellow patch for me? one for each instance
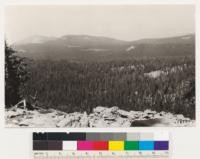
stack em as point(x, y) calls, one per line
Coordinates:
point(116, 145)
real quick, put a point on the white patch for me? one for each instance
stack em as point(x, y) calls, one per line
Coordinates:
point(130, 48)
point(95, 50)
point(154, 74)
point(166, 71)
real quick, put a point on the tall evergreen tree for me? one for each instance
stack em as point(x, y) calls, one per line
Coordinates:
point(15, 76)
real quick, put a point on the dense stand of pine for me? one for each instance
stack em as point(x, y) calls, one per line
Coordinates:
point(71, 86)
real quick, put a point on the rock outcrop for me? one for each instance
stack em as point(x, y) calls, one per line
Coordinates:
point(100, 117)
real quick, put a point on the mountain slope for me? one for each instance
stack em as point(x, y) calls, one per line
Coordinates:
point(94, 48)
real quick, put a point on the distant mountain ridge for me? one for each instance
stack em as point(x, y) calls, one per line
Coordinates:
point(177, 39)
point(97, 48)
point(37, 39)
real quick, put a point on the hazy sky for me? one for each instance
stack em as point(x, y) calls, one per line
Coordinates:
point(122, 22)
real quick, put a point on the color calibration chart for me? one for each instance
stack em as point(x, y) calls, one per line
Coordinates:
point(61, 145)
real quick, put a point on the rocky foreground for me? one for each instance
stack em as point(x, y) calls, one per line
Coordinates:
point(100, 117)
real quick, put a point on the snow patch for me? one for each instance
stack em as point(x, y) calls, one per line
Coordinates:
point(166, 71)
point(154, 74)
point(130, 48)
point(95, 49)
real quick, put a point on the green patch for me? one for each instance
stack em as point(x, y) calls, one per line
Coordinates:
point(131, 145)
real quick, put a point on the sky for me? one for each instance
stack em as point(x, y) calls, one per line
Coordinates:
point(124, 22)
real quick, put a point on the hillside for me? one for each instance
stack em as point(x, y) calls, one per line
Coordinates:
point(156, 74)
point(94, 48)
point(160, 84)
